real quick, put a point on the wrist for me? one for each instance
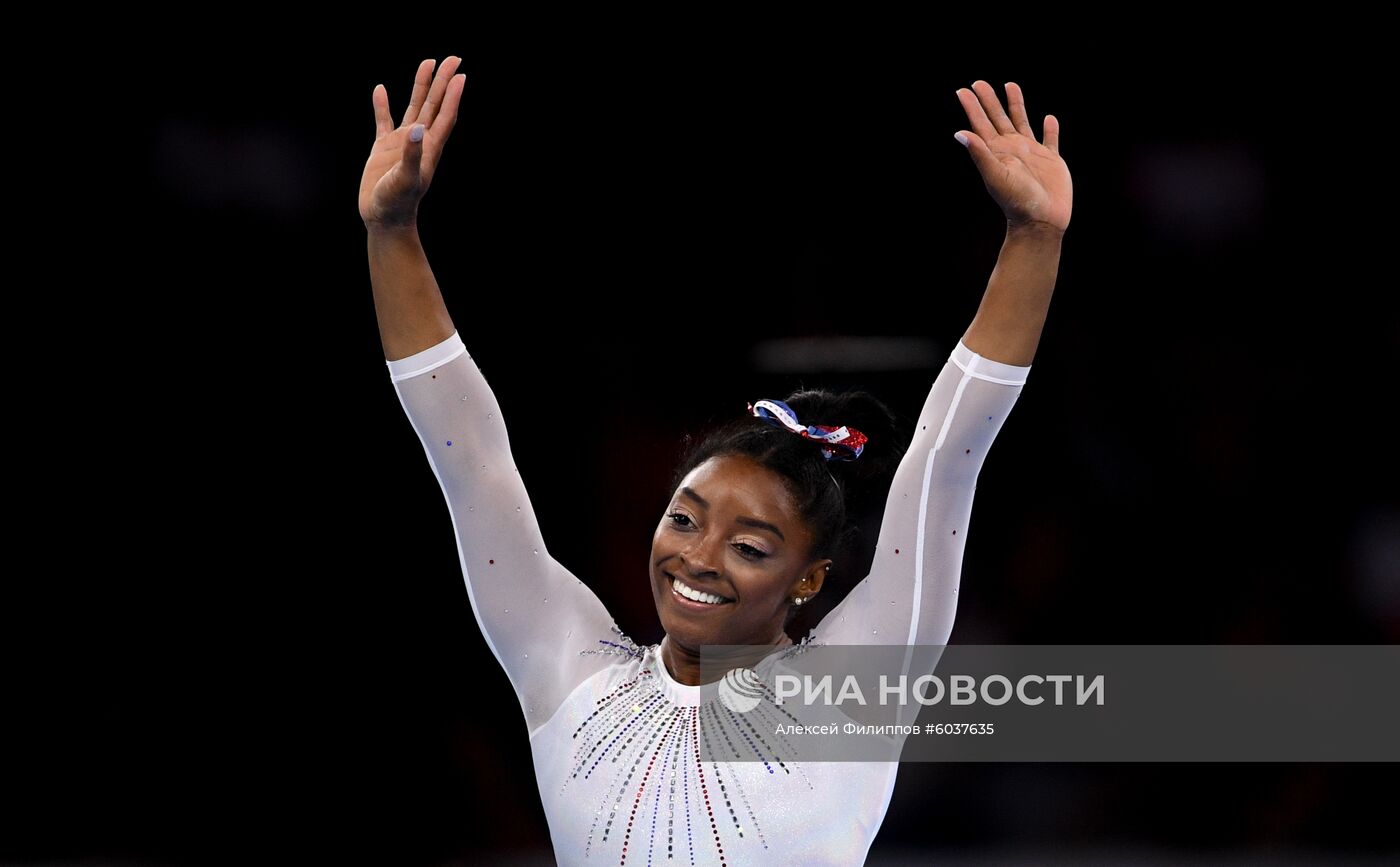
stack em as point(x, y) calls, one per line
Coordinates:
point(1034, 229)
point(390, 228)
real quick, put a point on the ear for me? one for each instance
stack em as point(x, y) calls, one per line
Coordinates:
point(811, 582)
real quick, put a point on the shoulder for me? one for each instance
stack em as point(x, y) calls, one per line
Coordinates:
point(616, 644)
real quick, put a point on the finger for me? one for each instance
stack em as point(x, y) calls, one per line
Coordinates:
point(447, 117)
point(412, 158)
point(1052, 133)
point(987, 95)
point(977, 148)
point(421, 80)
point(1016, 103)
point(383, 121)
point(443, 123)
point(975, 115)
point(434, 101)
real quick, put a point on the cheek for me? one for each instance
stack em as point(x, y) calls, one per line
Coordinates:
point(759, 583)
point(662, 547)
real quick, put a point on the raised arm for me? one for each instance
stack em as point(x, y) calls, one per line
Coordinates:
point(1031, 184)
point(400, 168)
point(910, 595)
point(533, 612)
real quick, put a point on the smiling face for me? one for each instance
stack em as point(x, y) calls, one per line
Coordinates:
point(731, 535)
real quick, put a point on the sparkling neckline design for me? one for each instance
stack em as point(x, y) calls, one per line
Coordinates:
point(650, 743)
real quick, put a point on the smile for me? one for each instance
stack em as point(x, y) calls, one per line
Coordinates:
point(695, 597)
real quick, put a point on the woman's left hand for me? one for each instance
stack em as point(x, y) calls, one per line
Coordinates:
point(1027, 179)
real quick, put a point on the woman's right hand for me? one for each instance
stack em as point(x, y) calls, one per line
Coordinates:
point(400, 169)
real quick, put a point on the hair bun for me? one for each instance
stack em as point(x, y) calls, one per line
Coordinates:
point(884, 441)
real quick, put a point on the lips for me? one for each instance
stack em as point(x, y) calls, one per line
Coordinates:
point(691, 603)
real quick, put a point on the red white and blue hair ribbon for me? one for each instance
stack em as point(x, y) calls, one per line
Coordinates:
point(837, 443)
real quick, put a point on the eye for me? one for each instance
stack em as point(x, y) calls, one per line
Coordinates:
point(748, 551)
point(756, 555)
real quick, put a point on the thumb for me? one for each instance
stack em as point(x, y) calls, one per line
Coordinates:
point(977, 148)
point(413, 153)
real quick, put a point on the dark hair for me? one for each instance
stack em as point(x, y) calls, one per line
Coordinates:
point(834, 511)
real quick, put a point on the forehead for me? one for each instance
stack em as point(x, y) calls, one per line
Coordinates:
point(741, 484)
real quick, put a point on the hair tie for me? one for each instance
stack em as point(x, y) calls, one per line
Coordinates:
point(837, 443)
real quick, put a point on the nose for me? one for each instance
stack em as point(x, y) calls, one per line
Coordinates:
point(701, 557)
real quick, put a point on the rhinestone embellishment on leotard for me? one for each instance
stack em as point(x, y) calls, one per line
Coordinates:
point(651, 751)
point(627, 647)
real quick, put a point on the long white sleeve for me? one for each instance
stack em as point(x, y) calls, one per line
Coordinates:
point(534, 613)
point(910, 595)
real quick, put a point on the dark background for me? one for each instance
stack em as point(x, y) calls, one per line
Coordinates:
point(256, 643)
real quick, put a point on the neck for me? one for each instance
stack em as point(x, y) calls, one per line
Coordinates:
point(684, 663)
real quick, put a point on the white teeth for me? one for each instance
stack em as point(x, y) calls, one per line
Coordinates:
point(697, 595)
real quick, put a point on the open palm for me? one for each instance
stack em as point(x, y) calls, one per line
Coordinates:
point(399, 168)
point(1027, 179)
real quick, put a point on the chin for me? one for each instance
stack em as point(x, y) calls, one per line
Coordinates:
point(683, 630)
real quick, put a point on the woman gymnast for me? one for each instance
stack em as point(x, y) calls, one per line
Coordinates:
point(756, 517)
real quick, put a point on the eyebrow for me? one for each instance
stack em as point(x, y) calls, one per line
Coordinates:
point(742, 519)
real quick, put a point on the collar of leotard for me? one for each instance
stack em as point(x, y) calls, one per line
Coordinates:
point(688, 695)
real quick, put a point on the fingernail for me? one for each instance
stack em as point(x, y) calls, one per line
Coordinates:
point(962, 139)
point(416, 134)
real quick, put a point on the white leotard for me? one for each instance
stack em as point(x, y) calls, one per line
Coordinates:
point(613, 735)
